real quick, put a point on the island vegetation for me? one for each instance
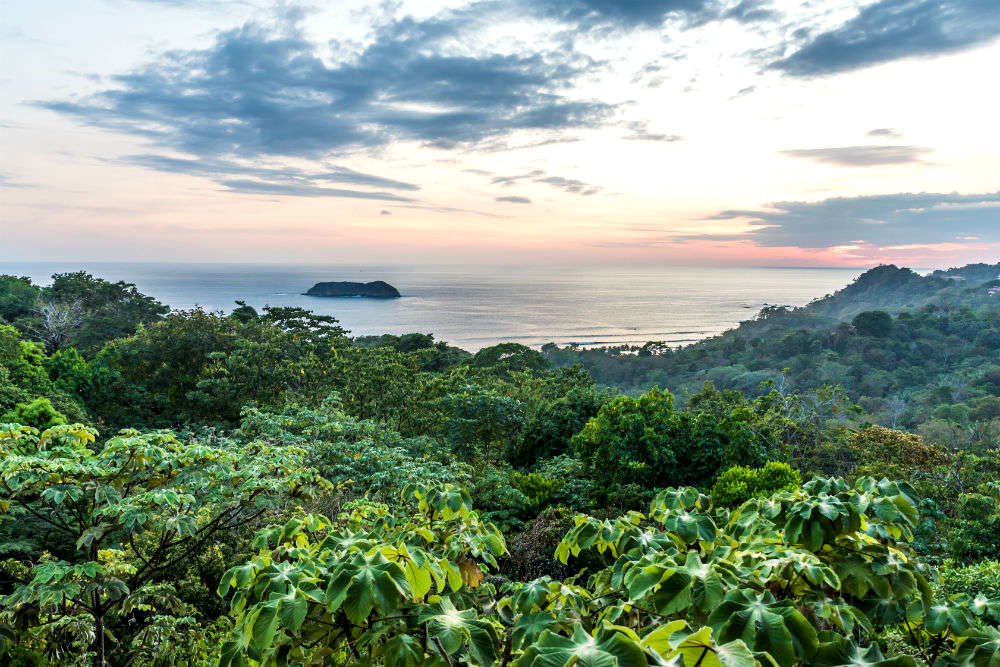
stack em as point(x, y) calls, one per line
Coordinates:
point(377, 289)
point(817, 487)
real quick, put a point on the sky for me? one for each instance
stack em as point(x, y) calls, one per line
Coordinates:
point(706, 132)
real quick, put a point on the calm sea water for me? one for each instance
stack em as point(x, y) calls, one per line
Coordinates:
point(474, 307)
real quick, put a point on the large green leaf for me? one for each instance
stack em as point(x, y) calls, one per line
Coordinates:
point(842, 652)
point(362, 583)
point(608, 648)
point(765, 625)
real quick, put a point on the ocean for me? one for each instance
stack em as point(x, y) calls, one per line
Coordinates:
point(476, 306)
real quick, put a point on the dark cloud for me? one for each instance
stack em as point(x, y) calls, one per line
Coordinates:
point(513, 199)
point(256, 92)
point(897, 219)
point(748, 11)
point(630, 14)
point(861, 156)
point(617, 13)
point(893, 29)
point(887, 132)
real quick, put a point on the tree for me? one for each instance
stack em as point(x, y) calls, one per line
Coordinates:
point(645, 442)
point(19, 297)
point(56, 324)
point(896, 454)
point(110, 525)
point(105, 310)
point(507, 358)
point(200, 366)
point(877, 323)
point(24, 377)
point(551, 427)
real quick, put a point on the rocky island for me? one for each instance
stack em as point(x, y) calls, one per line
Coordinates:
point(377, 289)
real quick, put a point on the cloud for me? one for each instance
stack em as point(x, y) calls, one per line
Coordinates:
point(385, 212)
point(223, 169)
point(861, 156)
point(7, 182)
point(748, 11)
point(913, 218)
point(268, 92)
point(252, 187)
point(639, 131)
point(513, 199)
point(893, 29)
point(532, 175)
point(617, 13)
point(571, 185)
point(632, 14)
point(449, 209)
point(888, 132)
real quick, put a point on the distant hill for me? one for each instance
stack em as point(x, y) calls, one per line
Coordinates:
point(972, 273)
point(888, 288)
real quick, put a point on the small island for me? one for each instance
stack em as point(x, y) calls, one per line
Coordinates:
point(377, 289)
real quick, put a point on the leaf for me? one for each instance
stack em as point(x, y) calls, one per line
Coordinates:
point(454, 630)
point(529, 627)
point(764, 624)
point(609, 648)
point(980, 649)
point(263, 625)
point(403, 651)
point(294, 608)
point(842, 652)
point(362, 584)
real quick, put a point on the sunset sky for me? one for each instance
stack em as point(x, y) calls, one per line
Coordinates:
point(741, 132)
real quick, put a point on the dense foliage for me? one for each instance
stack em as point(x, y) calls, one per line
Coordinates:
point(820, 486)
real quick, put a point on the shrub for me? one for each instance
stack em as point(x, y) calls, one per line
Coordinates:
point(978, 579)
point(876, 323)
point(738, 484)
point(39, 413)
point(538, 489)
point(576, 490)
point(644, 442)
point(886, 452)
point(976, 532)
point(531, 552)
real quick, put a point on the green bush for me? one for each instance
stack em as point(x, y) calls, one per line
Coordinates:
point(539, 489)
point(577, 489)
point(38, 413)
point(978, 579)
point(975, 534)
point(645, 442)
point(738, 484)
point(877, 323)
